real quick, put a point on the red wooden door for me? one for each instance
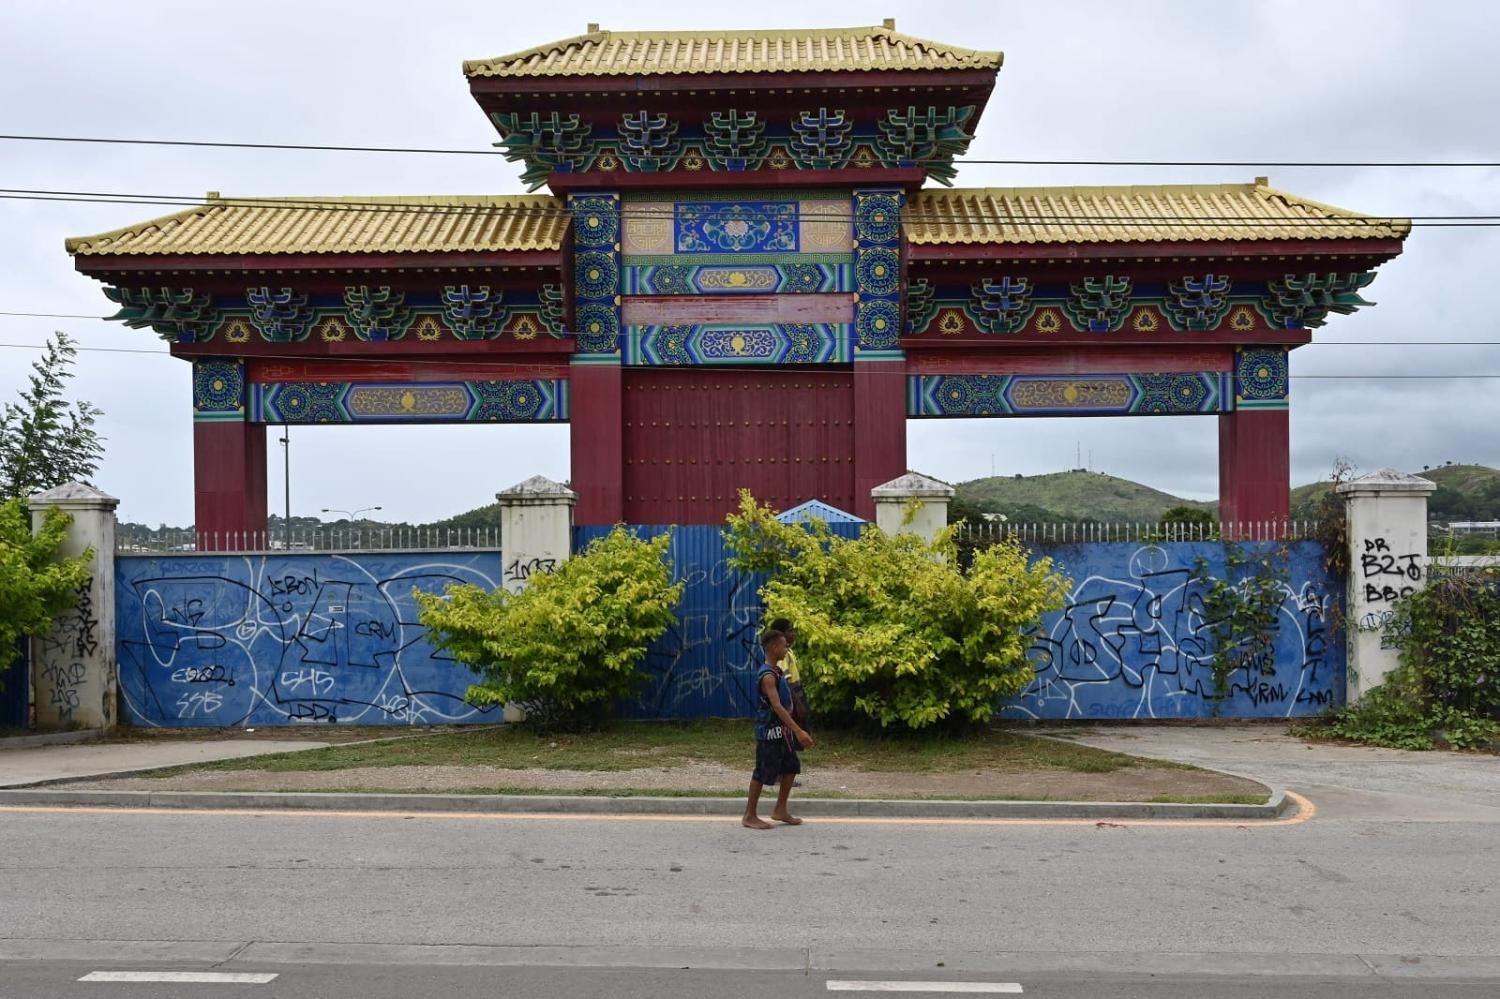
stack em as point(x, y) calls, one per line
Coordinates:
point(695, 436)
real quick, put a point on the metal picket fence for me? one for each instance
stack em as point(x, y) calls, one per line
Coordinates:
point(993, 531)
point(327, 539)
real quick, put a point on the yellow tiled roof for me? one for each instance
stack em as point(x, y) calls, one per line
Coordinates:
point(458, 224)
point(605, 53)
point(1200, 212)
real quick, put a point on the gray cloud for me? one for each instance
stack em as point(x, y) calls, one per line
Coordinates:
point(1164, 79)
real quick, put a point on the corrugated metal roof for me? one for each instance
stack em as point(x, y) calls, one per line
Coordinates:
point(1217, 212)
point(475, 224)
point(818, 50)
point(817, 509)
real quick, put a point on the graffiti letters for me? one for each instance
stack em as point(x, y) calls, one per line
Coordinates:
point(518, 571)
point(280, 639)
point(1388, 576)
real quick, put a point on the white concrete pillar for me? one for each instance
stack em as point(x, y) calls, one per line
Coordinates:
point(892, 505)
point(536, 528)
point(1387, 513)
point(75, 676)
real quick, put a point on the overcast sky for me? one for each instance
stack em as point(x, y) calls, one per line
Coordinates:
point(1185, 80)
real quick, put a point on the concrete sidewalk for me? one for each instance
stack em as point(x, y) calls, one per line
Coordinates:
point(1345, 781)
point(34, 765)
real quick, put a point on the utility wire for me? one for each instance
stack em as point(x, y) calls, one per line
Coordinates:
point(320, 147)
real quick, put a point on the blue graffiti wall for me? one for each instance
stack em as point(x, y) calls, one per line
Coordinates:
point(704, 666)
point(210, 640)
point(1135, 640)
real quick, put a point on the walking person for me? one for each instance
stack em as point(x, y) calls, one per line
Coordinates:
point(777, 737)
point(800, 713)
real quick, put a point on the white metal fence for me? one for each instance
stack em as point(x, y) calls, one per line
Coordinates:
point(328, 539)
point(989, 532)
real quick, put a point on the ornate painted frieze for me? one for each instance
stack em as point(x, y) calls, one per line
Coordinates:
point(1098, 305)
point(281, 315)
point(647, 140)
point(1262, 377)
point(730, 344)
point(502, 401)
point(545, 142)
point(1063, 395)
point(1002, 305)
point(596, 273)
point(1304, 301)
point(179, 315)
point(728, 279)
point(218, 389)
point(877, 269)
point(1199, 303)
point(473, 313)
point(377, 314)
point(1006, 305)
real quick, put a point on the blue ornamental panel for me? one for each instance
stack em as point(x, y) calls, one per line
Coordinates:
point(218, 389)
point(596, 273)
point(783, 343)
point(1131, 394)
point(735, 227)
point(1261, 377)
point(543, 400)
point(877, 268)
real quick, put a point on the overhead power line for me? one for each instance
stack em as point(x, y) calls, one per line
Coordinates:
point(430, 151)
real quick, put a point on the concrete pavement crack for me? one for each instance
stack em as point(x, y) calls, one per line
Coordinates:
point(234, 953)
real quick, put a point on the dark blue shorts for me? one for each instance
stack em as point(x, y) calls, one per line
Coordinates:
point(774, 759)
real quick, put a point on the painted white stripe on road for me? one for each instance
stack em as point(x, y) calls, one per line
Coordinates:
point(1008, 988)
point(183, 977)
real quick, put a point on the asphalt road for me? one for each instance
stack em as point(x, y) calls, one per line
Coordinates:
point(60, 981)
point(342, 904)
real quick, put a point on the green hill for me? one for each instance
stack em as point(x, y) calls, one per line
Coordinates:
point(1075, 495)
point(1464, 492)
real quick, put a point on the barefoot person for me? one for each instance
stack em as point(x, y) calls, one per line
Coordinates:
point(777, 736)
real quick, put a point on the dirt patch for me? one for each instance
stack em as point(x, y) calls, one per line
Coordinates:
point(1125, 784)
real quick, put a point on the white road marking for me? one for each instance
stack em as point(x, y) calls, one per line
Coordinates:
point(1008, 988)
point(183, 977)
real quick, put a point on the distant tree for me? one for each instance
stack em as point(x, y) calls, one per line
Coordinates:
point(1187, 515)
point(44, 440)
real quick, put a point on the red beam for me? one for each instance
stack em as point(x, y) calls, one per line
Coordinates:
point(910, 178)
point(934, 343)
point(825, 82)
point(643, 310)
point(397, 371)
point(1144, 360)
point(368, 350)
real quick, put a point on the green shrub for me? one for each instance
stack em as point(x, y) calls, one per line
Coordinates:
point(570, 644)
point(889, 630)
point(1447, 686)
point(35, 586)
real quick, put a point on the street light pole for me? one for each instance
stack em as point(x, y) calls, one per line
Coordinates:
point(351, 514)
point(286, 476)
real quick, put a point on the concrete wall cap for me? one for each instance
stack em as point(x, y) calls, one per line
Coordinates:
point(913, 484)
point(538, 487)
point(1387, 480)
point(77, 495)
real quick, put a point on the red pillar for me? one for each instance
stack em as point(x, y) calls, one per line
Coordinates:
point(1255, 466)
point(229, 482)
point(596, 434)
point(879, 428)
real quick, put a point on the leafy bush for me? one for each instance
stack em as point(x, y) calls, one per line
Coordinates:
point(1448, 684)
point(569, 645)
point(889, 629)
point(34, 585)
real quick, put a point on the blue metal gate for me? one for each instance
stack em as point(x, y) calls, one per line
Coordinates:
point(704, 666)
point(14, 689)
